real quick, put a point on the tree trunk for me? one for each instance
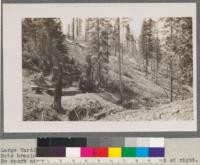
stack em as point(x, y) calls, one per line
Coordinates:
point(157, 70)
point(146, 58)
point(151, 67)
point(107, 46)
point(171, 64)
point(49, 45)
point(180, 79)
point(98, 47)
point(68, 31)
point(133, 49)
point(73, 28)
point(77, 28)
point(122, 53)
point(127, 47)
point(87, 29)
point(119, 59)
point(146, 68)
point(157, 56)
point(115, 48)
point(58, 89)
point(171, 80)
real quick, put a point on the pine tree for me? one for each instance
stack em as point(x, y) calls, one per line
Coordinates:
point(78, 23)
point(123, 23)
point(99, 34)
point(158, 56)
point(182, 48)
point(146, 41)
point(43, 42)
point(178, 38)
point(133, 45)
point(87, 28)
point(128, 36)
point(143, 45)
point(43, 48)
point(119, 60)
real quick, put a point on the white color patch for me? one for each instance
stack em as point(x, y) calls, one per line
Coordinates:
point(157, 142)
point(73, 152)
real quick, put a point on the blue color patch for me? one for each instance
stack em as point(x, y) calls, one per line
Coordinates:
point(142, 152)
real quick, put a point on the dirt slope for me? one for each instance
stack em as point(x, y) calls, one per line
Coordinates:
point(178, 110)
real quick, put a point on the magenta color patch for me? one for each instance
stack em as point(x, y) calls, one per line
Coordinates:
point(87, 152)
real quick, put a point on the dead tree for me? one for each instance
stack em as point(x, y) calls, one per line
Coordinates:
point(58, 89)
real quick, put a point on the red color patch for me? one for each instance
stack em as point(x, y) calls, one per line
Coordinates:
point(101, 152)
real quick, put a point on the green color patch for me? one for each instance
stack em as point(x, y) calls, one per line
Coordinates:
point(128, 152)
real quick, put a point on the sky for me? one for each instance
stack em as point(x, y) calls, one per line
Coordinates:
point(135, 25)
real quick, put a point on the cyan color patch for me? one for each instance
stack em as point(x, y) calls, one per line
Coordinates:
point(142, 152)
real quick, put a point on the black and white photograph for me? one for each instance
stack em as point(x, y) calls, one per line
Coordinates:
point(109, 69)
point(84, 67)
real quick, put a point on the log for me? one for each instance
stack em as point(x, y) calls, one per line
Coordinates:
point(100, 115)
point(51, 91)
point(36, 89)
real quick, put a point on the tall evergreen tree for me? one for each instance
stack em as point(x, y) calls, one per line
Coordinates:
point(118, 24)
point(178, 41)
point(146, 41)
point(43, 42)
point(158, 56)
point(99, 34)
point(43, 48)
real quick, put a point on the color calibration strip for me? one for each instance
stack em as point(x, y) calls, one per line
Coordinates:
point(100, 147)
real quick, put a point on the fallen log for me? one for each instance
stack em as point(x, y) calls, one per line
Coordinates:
point(51, 91)
point(100, 115)
point(36, 89)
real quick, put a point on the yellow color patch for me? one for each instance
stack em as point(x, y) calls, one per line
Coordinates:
point(114, 152)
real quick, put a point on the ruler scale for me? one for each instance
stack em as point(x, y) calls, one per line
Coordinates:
point(64, 161)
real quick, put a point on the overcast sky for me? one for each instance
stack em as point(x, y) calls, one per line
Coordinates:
point(135, 24)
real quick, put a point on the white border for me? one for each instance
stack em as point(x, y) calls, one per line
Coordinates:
point(12, 60)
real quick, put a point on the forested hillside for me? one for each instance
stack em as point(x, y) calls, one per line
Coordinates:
point(100, 70)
